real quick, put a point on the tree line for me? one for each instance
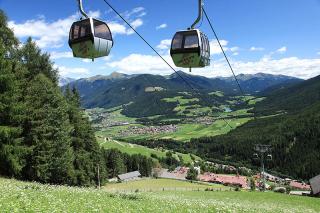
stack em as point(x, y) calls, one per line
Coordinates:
point(44, 134)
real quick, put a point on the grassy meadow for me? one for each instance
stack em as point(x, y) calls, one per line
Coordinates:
point(184, 133)
point(137, 149)
point(19, 196)
point(152, 185)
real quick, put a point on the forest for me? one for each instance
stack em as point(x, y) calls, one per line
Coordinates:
point(44, 134)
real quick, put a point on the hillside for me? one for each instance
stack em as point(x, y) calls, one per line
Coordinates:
point(292, 98)
point(30, 197)
point(293, 136)
point(118, 89)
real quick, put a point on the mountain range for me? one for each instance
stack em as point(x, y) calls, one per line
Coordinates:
point(118, 89)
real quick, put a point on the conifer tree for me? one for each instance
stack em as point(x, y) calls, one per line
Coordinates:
point(36, 62)
point(87, 155)
point(11, 149)
point(48, 133)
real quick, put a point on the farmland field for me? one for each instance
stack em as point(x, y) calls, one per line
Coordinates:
point(136, 149)
point(191, 120)
point(184, 133)
point(19, 196)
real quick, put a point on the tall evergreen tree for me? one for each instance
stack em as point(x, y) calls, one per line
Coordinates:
point(36, 62)
point(11, 149)
point(48, 133)
point(87, 155)
point(8, 41)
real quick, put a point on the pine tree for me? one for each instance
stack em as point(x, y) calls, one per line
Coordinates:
point(114, 162)
point(48, 133)
point(36, 62)
point(11, 150)
point(87, 155)
point(8, 41)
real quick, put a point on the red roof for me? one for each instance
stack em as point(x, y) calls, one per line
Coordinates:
point(224, 179)
point(298, 185)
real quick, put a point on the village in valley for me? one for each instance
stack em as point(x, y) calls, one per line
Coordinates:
point(235, 181)
point(111, 124)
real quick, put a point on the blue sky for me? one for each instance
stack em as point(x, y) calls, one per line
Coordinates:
point(272, 36)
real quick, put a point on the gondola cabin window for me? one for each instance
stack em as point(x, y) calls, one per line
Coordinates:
point(101, 30)
point(177, 42)
point(81, 29)
point(191, 41)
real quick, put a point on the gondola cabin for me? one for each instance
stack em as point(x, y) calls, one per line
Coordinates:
point(190, 49)
point(90, 38)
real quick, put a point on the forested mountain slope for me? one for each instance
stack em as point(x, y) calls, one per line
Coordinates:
point(295, 141)
point(293, 98)
point(295, 137)
point(108, 91)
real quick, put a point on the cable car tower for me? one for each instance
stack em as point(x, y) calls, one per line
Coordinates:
point(191, 48)
point(90, 38)
point(263, 151)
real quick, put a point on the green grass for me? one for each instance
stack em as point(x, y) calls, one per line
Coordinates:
point(136, 149)
point(240, 112)
point(161, 185)
point(185, 103)
point(181, 100)
point(185, 131)
point(19, 196)
point(217, 93)
point(255, 100)
point(188, 131)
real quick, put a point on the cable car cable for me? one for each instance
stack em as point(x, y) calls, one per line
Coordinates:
point(163, 58)
point(225, 55)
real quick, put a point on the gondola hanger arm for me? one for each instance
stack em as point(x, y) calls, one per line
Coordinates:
point(200, 6)
point(81, 9)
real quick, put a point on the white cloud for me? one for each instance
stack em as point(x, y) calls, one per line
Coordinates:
point(138, 64)
point(282, 50)
point(94, 14)
point(117, 28)
point(135, 24)
point(256, 49)
point(215, 48)
point(87, 60)
point(234, 49)
point(164, 44)
point(54, 34)
point(108, 58)
point(120, 29)
point(67, 71)
point(293, 66)
point(318, 53)
point(162, 26)
point(135, 12)
point(59, 55)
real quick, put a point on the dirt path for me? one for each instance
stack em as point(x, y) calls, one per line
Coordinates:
point(119, 143)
